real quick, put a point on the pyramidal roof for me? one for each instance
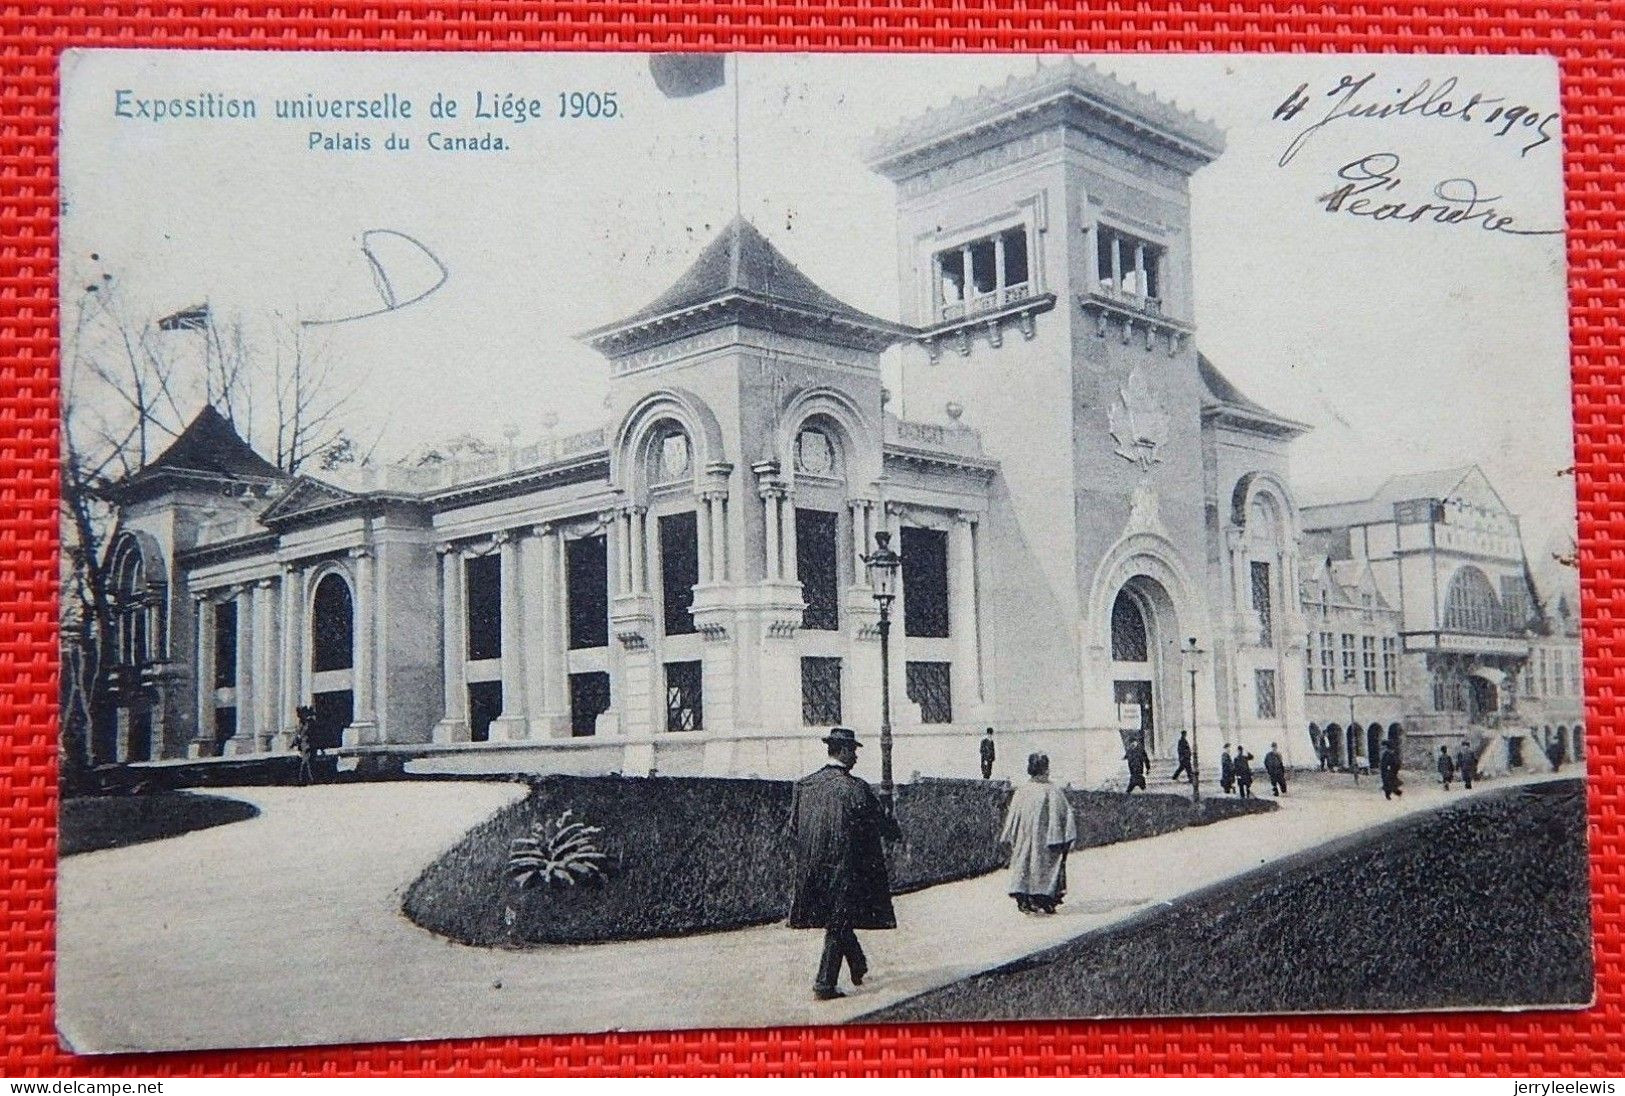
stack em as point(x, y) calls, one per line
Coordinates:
point(211, 445)
point(741, 277)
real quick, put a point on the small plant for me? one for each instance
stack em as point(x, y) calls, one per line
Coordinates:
point(564, 850)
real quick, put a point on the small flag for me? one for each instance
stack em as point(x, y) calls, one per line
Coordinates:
point(195, 318)
point(680, 75)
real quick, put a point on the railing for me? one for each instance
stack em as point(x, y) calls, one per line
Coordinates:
point(984, 302)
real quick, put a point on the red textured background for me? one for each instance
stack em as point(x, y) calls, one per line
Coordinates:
point(1587, 38)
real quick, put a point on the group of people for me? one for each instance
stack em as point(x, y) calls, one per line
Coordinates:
point(1236, 771)
point(839, 828)
point(1463, 764)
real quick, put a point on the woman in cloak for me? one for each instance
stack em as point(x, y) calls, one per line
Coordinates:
point(1039, 829)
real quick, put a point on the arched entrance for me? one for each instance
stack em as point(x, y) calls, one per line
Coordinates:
point(1373, 744)
point(1334, 746)
point(1145, 666)
point(1484, 699)
point(332, 658)
point(1317, 745)
point(1352, 748)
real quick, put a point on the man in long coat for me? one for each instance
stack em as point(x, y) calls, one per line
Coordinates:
point(1138, 761)
point(1039, 828)
point(837, 824)
point(1227, 770)
point(1447, 767)
point(1184, 751)
point(989, 752)
point(1466, 764)
point(1276, 768)
point(1389, 768)
point(1242, 770)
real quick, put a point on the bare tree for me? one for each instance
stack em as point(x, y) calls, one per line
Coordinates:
point(131, 383)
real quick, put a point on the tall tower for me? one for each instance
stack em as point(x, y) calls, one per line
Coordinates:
point(1045, 259)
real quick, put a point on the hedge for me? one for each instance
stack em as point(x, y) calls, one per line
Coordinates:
point(692, 855)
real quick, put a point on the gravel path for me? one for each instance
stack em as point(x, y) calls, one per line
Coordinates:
point(286, 929)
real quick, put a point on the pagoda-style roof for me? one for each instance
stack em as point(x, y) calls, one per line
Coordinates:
point(741, 278)
point(1224, 402)
point(209, 450)
point(1051, 93)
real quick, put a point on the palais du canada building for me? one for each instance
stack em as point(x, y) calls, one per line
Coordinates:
point(682, 590)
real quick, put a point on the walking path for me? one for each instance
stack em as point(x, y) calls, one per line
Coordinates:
point(285, 929)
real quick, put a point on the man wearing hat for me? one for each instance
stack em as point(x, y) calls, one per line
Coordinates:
point(837, 824)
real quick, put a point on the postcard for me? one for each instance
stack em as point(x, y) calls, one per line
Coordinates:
point(591, 542)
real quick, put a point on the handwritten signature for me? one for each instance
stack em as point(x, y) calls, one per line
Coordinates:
point(391, 300)
point(1354, 98)
point(1370, 179)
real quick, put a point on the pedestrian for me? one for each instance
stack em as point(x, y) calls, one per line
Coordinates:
point(1243, 770)
point(1466, 764)
point(1323, 749)
point(1183, 749)
point(1040, 829)
point(1138, 762)
point(304, 742)
point(1447, 767)
point(988, 754)
point(1554, 754)
point(837, 824)
point(1227, 771)
point(1276, 768)
point(1389, 767)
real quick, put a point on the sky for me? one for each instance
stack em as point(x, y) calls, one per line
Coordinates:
point(1405, 346)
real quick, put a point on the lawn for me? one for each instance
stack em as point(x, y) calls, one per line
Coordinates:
point(1483, 904)
point(693, 855)
point(91, 822)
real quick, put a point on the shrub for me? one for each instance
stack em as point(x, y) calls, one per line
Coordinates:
point(700, 855)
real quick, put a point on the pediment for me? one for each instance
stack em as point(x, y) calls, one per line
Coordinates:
point(305, 495)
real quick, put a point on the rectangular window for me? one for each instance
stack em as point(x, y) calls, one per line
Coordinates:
point(1368, 662)
point(1545, 677)
point(684, 708)
point(1350, 660)
point(1571, 663)
point(925, 583)
point(982, 274)
point(1264, 686)
point(586, 583)
point(1261, 604)
point(679, 570)
point(820, 691)
point(484, 586)
point(929, 685)
point(1390, 664)
point(1528, 685)
point(589, 699)
point(1309, 663)
point(484, 705)
point(816, 554)
point(225, 645)
point(1128, 266)
point(1328, 663)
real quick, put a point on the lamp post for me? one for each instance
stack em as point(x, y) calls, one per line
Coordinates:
point(1193, 662)
point(883, 564)
point(1352, 735)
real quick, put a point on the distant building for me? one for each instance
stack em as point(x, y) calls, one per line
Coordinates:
point(682, 589)
point(1355, 695)
point(1436, 561)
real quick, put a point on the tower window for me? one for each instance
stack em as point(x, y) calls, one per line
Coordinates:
point(679, 571)
point(1128, 266)
point(484, 607)
point(982, 274)
point(1261, 603)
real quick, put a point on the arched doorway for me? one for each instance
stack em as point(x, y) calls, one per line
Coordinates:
point(1373, 744)
point(1559, 746)
point(1317, 745)
point(1145, 666)
point(332, 658)
point(1334, 745)
point(1352, 748)
point(1483, 698)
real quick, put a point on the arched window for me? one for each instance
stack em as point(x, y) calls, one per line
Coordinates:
point(332, 626)
point(1129, 642)
point(129, 603)
point(1470, 605)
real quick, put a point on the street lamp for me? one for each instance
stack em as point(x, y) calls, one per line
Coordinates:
point(1193, 662)
point(1353, 735)
point(883, 564)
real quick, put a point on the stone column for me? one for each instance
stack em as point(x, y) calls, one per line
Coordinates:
point(512, 722)
point(792, 565)
point(453, 725)
point(363, 730)
point(718, 503)
point(702, 530)
point(203, 737)
point(265, 690)
point(964, 618)
point(555, 632)
point(637, 517)
point(862, 539)
point(294, 657)
point(770, 520)
point(247, 689)
point(623, 551)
